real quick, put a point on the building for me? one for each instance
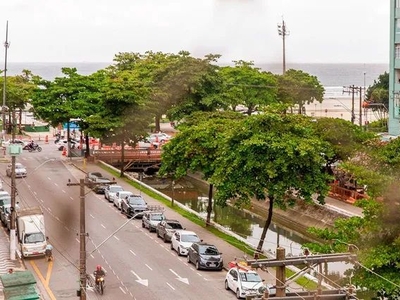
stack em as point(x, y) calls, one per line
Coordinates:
point(394, 69)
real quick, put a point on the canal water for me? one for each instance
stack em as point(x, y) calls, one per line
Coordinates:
point(194, 194)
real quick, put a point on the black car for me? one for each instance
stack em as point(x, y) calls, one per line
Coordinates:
point(133, 205)
point(205, 256)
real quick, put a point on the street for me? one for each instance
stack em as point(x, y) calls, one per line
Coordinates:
point(138, 264)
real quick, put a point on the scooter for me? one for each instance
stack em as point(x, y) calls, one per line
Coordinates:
point(100, 285)
point(35, 147)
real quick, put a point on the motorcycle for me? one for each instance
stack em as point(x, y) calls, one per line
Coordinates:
point(34, 147)
point(100, 284)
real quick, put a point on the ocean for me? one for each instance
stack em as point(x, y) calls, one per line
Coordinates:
point(334, 77)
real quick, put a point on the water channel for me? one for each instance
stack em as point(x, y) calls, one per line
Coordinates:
point(194, 194)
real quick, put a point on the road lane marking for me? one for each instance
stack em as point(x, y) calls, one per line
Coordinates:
point(49, 178)
point(36, 269)
point(58, 219)
point(49, 270)
point(91, 216)
point(49, 209)
point(148, 267)
point(170, 286)
point(122, 290)
point(103, 226)
point(132, 252)
point(55, 184)
point(78, 240)
point(92, 255)
point(116, 237)
point(35, 193)
point(66, 228)
point(71, 198)
point(64, 191)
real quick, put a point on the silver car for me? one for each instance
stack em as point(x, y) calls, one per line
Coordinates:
point(151, 219)
point(20, 170)
point(110, 190)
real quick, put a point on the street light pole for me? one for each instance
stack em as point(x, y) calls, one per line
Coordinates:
point(6, 45)
point(13, 195)
point(283, 32)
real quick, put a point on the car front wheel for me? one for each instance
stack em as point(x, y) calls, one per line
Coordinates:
point(197, 265)
point(238, 294)
point(172, 246)
point(188, 259)
point(226, 285)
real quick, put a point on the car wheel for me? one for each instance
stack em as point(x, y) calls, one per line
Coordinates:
point(172, 247)
point(158, 234)
point(143, 225)
point(226, 285)
point(197, 265)
point(179, 251)
point(188, 258)
point(238, 294)
point(164, 238)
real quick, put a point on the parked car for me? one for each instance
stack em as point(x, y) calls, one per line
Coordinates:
point(243, 282)
point(160, 137)
point(182, 240)
point(20, 170)
point(205, 256)
point(110, 191)
point(91, 176)
point(64, 143)
point(5, 211)
point(166, 228)
point(118, 197)
point(133, 205)
point(151, 219)
point(99, 184)
point(5, 198)
point(18, 142)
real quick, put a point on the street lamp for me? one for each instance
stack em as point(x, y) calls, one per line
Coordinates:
point(283, 32)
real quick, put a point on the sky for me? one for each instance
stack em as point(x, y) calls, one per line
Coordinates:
point(319, 31)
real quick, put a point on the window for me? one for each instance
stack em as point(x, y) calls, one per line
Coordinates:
point(397, 3)
point(397, 51)
point(398, 26)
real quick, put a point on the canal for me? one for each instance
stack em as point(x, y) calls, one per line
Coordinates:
point(194, 194)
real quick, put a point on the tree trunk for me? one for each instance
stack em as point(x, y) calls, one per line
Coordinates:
point(266, 226)
point(209, 207)
point(87, 142)
point(122, 156)
point(157, 127)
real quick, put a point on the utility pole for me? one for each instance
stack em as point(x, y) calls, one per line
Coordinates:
point(82, 239)
point(361, 102)
point(4, 109)
point(353, 90)
point(283, 32)
point(13, 191)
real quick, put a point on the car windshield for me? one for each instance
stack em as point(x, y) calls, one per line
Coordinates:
point(190, 238)
point(115, 189)
point(5, 200)
point(102, 180)
point(19, 167)
point(250, 277)
point(157, 217)
point(34, 237)
point(174, 225)
point(124, 195)
point(208, 250)
point(136, 201)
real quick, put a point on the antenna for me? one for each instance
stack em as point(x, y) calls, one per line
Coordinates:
point(4, 108)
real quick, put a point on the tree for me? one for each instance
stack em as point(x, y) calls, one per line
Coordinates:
point(195, 147)
point(378, 92)
point(271, 155)
point(244, 84)
point(298, 88)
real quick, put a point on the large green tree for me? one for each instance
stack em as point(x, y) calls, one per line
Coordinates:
point(378, 92)
point(298, 88)
point(195, 147)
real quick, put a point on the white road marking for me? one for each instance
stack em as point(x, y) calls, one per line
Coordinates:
point(41, 200)
point(77, 240)
point(132, 252)
point(91, 216)
point(57, 218)
point(49, 209)
point(66, 228)
point(116, 237)
point(103, 226)
point(148, 267)
point(170, 286)
point(181, 279)
point(71, 198)
point(34, 193)
point(122, 290)
point(144, 282)
point(49, 178)
point(91, 255)
point(64, 191)
point(55, 184)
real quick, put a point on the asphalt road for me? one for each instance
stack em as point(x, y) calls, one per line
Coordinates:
point(138, 264)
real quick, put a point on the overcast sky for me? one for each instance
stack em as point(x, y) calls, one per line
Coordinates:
point(321, 31)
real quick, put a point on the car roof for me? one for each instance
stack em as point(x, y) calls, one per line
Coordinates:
point(187, 232)
point(171, 221)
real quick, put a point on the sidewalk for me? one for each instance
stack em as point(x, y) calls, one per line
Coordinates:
point(5, 263)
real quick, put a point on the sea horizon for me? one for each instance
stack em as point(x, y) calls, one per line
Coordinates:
point(329, 74)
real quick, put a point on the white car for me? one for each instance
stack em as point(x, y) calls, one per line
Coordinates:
point(182, 240)
point(110, 191)
point(160, 137)
point(64, 143)
point(20, 170)
point(244, 282)
point(117, 198)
